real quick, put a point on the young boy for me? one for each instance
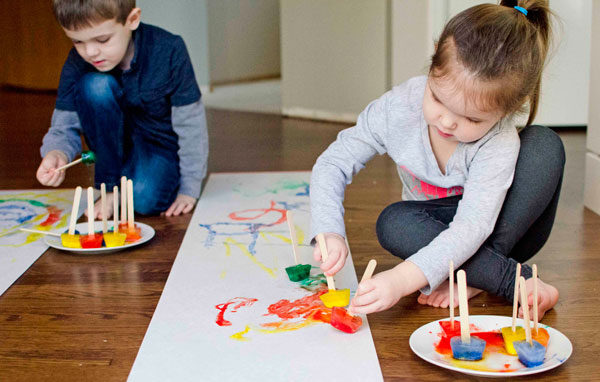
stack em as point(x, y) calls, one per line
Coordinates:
point(130, 89)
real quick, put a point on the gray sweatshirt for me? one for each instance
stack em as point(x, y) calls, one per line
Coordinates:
point(189, 123)
point(481, 171)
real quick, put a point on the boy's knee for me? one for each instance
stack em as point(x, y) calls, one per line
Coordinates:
point(98, 88)
point(149, 198)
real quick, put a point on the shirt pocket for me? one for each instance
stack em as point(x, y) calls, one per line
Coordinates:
point(156, 104)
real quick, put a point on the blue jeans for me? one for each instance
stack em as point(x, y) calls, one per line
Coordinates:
point(522, 228)
point(117, 138)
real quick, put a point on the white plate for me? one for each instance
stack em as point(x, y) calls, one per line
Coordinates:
point(494, 364)
point(147, 233)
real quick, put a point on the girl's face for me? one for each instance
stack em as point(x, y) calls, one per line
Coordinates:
point(452, 114)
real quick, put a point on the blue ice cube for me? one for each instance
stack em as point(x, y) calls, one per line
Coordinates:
point(530, 355)
point(471, 351)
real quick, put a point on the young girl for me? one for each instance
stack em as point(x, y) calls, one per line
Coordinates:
point(476, 191)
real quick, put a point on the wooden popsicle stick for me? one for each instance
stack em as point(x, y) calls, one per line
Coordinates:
point(69, 165)
point(516, 297)
point(103, 207)
point(535, 298)
point(123, 199)
point(463, 307)
point(367, 275)
point(290, 222)
point(369, 270)
point(40, 232)
point(130, 222)
point(525, 307)
point(90, 200)
point(451, 283)
point(115, 209)
point(323, 247)
point(74, 210)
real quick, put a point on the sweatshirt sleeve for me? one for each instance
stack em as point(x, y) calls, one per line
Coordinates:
point(189, 123)
point(64, 134)
point(490, 176)
point(344, 158)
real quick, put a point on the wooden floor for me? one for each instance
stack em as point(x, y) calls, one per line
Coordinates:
point(74, 318)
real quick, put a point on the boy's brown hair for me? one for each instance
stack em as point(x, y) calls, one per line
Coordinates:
point(77, 14)
point(500, 48)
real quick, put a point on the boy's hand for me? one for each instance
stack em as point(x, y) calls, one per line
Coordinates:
point(46, 173)
point(336, 253)
point(385, 289)
point(182, 205)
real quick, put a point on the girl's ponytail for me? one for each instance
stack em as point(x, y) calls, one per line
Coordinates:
point(501, 45)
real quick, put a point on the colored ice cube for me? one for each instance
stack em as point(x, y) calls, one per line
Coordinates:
point(541, 336)
point(298, 272)
point(70, 241)
point(471, 351)
point(344, 321)
point(114, 239)
point(336, 297)
point(447, 328)
point(91, 241)
point(530, 355)
point(133, 234)
point(510, 337)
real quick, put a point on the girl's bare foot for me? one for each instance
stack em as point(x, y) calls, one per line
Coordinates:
point(98, 207)
point(547, 298)
point(440, 297)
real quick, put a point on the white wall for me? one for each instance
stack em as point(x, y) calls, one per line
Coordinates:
point(591, 197)
point(186, 18)
point(411, 42)
point(334, 55)
point(244, 39)
point(228, 40)
point(564, 99)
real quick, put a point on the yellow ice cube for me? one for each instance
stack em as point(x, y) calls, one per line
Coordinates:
point(70, 241)
point(340, 297)
point(112, 239)
point(510, 337)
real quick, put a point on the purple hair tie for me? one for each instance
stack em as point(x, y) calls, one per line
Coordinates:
point(521, 9)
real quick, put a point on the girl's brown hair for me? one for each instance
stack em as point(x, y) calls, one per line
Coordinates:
point(501, 48)
point(77, 14)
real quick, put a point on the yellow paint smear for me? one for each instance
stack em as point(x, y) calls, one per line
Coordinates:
point(229, 241)
point(240, 335)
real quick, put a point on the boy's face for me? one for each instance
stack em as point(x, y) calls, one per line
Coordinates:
point(104, 44)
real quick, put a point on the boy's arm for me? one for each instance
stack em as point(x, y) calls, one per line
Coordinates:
point(189, 123)
point(64, 134)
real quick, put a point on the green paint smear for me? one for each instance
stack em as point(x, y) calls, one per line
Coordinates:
point(279, 186)
point(32, 202)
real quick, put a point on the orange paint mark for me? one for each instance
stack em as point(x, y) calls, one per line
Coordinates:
point(308, 307)
point(53, 216)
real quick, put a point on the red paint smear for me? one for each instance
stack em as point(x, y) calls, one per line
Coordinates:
point(491, 339)
point(241, 301)
point(309, 307)
point(262, 212)
point(53, 216)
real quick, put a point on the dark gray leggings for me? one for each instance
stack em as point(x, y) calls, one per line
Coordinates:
point(523, 226)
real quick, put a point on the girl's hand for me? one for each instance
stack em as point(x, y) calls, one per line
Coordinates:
point(182, 205)
point(46, 173)
point(378, 293)
point(385, 289)
point(336, 253)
